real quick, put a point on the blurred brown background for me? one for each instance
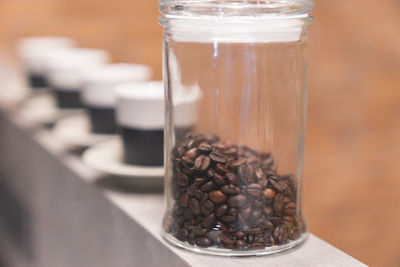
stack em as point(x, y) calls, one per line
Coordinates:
point(352, 164)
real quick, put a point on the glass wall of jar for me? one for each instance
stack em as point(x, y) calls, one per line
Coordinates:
point(233, 178)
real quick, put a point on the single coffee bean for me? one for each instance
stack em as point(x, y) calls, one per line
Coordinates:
point(239, 234)
point(228, 218)
point(279, 203)
point(232, 179)
point(263, 183)
point(217, 157)
point(205, 147)
point(189, 170)
point(279, 186)
point(290, 209)
point(219, 179)
point(184, 200)
point(207, 207)
point(230, 189)
point(221, 169)
point(226, 239)
point(237, 201)
point(221, 210)
point(269, 193)
point(257, 245)
point(199, 231)
point(199, 181)
point(199, 194)
point(207, 187)
point(217, 197)
point(234, 212)
point(187, 161)
point(236, 163)
point(182, 179)
point(254, 189)
point(260, 174)
point(256, 213)
point(182, 234)
point(202, 162)
point(210, 173)
point(203, 242)
point(208, 220)
point(194, 206)
point(245, 213)
point(192, 153)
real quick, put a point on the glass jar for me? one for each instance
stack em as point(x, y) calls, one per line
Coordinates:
point(233, 180)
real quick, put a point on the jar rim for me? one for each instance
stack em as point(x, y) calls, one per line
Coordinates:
point(237, 8)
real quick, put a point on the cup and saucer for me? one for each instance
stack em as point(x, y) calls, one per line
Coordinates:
point(137, 153)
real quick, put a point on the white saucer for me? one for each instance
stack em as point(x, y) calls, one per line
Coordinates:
point(41, 108)
point(107, 158)
point(75, 131)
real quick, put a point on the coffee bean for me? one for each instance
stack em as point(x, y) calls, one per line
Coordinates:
point(219, 179)
point(182, 234)
point(207, 207)
point(202, 162)
point(257, 245)
point(208, 220)
point(232, 179)
point(217, 197)
point(199, 181)
point(192, 153)
point(221, 169)
point(236, 163)
point(279, 186)
point(254, 189)
point(210, 173)
point(194, 206)
point(260, 174)
point(245, 213)
point(226, 239)
point(199, 194)
point(182, 179)
point(269, 193)
point(233, 212)
point(279, 203)
point(217, 157)
point(221, 210)
point(230, 189)
point(187, 161)
point(239, 234)
point(207, 187)
point(290, 209)
point(263, 183)
point(268, 211)
point(237, 201)
point(205, 147)
point(199, 231)
point(203, 242)
point(228, 219)
point(184, 200)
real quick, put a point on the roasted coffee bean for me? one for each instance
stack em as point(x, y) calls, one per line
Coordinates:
point(279, 186)
point(219, 179)
point(217, 157)
point(228, 219)
point(263, 183)
point(221, 169)
point(221, 210)
point(290, 209)
point(255, 214)
point(189, 170)
point(199, 181)
point(202, 162)
point(187, 161)
point(226, 239)
point(260, 174)
point(279, 203)
point(194, 206)
point(232, 179)
point(254, 189)
point(208, 220)
point(236, 163)
point(205, 147)
point(217, 197)
point(237, 201)
point(182, 234)
point(239, 234)
point(257, 245)
point(199, 231)
point(184, 200)
point(210, 173)
point(207, 187)
point(207, 207)
point(230, 189)
point(203, 242)
point(192, 153)
point(269, 193)
point(182, 179)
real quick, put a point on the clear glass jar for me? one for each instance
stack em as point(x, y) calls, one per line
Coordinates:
point(233, 179)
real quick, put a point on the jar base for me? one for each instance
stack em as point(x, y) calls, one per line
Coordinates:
point(236, 253)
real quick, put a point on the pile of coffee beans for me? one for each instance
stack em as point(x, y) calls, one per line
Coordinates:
point(230, 196)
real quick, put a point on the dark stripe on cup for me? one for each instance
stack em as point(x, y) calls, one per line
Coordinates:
point(67, 99)
point(102, 120)
point(37, 81)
